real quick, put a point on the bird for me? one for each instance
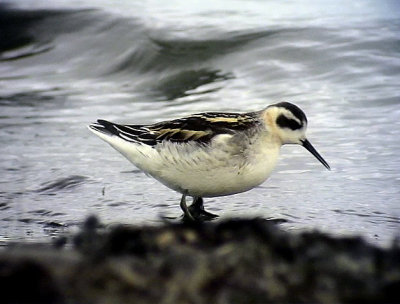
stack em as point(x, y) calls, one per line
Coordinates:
point(210, 154)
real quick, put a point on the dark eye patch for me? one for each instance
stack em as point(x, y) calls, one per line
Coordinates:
point(296, 111)
point(285, 122)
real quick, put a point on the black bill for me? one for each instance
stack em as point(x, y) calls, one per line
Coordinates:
point(309, 147)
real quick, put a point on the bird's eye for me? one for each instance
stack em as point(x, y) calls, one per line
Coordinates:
point(289, 123)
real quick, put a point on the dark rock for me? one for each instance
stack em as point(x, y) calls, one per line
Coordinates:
point(233, 261)
point(28, 281)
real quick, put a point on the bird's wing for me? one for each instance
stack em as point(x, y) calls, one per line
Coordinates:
point(200, 128)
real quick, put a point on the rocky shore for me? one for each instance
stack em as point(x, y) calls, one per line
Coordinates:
point(231, 261)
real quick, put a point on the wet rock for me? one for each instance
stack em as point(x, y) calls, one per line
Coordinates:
point(233, 261)
point(27, 280)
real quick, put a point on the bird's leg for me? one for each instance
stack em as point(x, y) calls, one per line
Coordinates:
point(197, 209)
point(185, 208)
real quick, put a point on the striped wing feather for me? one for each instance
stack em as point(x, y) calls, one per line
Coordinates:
point(200, 128)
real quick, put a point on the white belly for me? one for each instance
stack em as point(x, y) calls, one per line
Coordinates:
point(218, 181)
point(222, 169)
point(215, 172)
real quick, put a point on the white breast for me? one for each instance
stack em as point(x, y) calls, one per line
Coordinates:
point(220, 169)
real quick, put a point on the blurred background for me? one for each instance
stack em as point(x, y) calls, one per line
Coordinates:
point(64, 64)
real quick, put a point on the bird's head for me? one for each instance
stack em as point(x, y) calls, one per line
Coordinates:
point(289, 124)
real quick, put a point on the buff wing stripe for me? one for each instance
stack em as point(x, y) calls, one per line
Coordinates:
point(200, 128)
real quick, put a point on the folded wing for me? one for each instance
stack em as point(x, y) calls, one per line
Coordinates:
point(200, 128)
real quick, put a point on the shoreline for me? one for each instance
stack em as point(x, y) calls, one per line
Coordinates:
point(230, 261)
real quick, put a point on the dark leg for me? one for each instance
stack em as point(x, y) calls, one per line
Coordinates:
point(197, 210)
point(185, 208)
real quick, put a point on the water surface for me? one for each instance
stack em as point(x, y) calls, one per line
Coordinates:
point(65, 64)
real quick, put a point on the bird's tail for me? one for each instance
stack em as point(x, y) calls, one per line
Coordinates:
point(103, 126)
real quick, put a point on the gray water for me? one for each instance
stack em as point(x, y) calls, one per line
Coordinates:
point(65, 64)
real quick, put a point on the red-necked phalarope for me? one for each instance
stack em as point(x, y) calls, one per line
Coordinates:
point(210, 154)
